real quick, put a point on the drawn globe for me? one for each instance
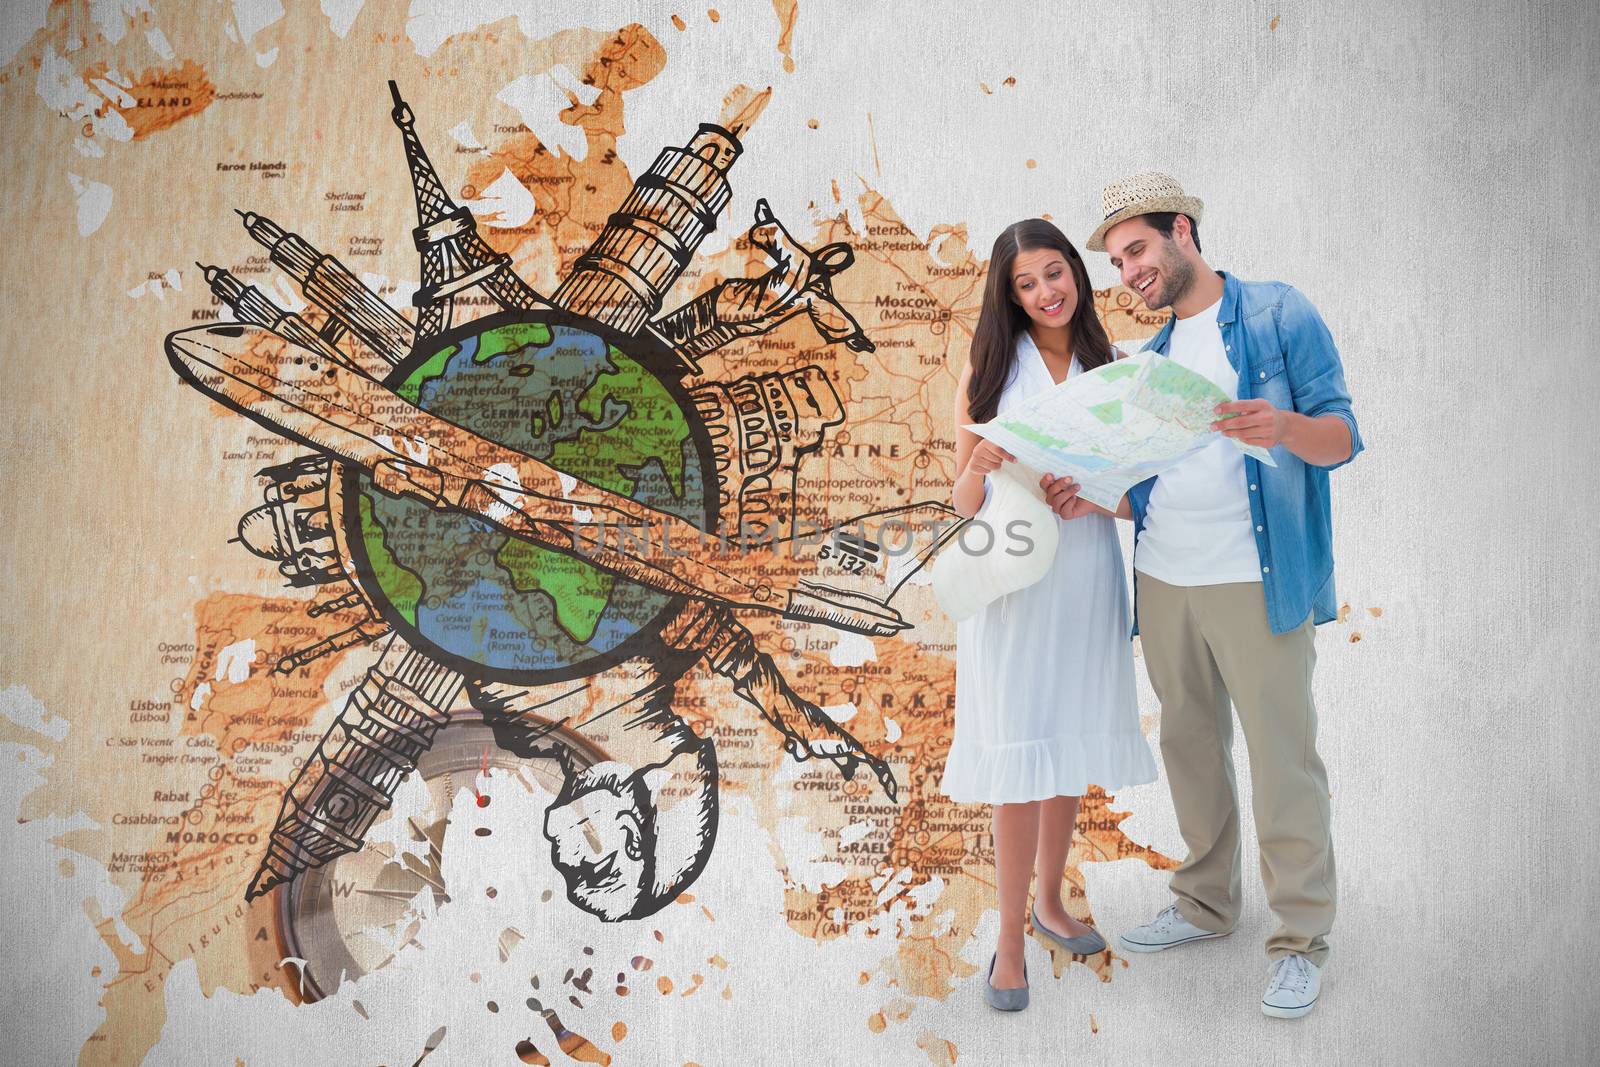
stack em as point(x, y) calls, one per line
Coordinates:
point(592, 403)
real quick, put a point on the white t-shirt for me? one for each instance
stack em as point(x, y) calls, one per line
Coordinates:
point(1197, 527)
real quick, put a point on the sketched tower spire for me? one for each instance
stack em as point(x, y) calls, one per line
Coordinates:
point(623, 277)
point(454, 257)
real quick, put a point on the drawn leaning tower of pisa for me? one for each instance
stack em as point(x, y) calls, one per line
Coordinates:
point(623, 277)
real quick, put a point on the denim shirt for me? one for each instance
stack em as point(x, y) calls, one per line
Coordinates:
point(1283, 353)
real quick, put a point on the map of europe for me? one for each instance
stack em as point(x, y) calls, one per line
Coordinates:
point(150, 775)
point(565, 396)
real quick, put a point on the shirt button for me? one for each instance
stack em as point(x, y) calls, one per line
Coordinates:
point(1252, 487)
point(1258, 529)
point(1263, 375)
point(1266, 570)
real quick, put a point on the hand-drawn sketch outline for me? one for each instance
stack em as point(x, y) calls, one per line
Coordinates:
point(332, 388)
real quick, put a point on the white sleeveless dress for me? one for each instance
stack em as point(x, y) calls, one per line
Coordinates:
point(1045, 700)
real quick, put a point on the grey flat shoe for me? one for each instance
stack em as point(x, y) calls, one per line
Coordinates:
point(1087, 945)
point(1005, 999)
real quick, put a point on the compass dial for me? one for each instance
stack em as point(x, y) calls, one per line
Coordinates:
point(351, 916)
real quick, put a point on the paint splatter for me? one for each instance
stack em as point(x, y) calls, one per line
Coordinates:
point(435, 1039)
point(510, 938)
point(1032, 163)
point(619, 1030)
point(679, 24)
point(713, 14)
point(157, 99)
point(811, 124)
point(1355, 636)
point(1094, 1027)
point(1273, 25)
point(940, 1051)
point(574, 1045)
point(527, 1053)
point(664, 985)
point(787, 11)
point(1376, 613)
point(1344, 612)
point(742, 106)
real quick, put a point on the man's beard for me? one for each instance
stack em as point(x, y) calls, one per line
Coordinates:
point(1177, 275)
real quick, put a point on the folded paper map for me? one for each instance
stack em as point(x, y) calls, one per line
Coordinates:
point(1115, 426)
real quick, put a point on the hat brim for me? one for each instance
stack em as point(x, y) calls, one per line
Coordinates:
point(1183, 205)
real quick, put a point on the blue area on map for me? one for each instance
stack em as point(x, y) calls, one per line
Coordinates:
point(470, 605)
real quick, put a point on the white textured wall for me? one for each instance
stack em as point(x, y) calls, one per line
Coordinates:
point(1426, 173)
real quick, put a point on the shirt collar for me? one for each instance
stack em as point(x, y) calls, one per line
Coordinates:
point(1229, 311)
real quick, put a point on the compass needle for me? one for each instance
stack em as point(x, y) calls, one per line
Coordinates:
point(397, 894)
point(421, 870)
point(433, 835)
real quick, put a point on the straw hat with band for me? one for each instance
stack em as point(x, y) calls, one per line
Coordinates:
point(1141, 194)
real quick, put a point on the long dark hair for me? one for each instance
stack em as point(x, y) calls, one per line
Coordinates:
point(994, 344)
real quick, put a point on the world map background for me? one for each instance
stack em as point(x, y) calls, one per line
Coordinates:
point(1434, 231)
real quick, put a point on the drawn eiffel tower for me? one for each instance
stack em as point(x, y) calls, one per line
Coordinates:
point(454, 257)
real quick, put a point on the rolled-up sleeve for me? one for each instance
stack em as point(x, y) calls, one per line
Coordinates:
point(1316, 376)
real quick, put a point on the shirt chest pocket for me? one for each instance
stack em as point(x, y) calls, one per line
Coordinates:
point(1266, 368)
point(1267, 378)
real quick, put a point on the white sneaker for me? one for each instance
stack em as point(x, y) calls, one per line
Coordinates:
point(1292, 986)
point(1164, 931)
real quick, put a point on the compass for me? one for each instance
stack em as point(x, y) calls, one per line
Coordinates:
point(350, 916)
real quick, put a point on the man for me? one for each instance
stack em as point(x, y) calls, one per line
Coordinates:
point(1233, 567)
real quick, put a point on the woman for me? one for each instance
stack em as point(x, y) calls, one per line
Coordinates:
point(1045, 701)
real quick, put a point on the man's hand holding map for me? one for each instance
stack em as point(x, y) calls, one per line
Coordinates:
point(1115, 426)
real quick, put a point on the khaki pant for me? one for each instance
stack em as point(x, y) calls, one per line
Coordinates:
point(1203, 645)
